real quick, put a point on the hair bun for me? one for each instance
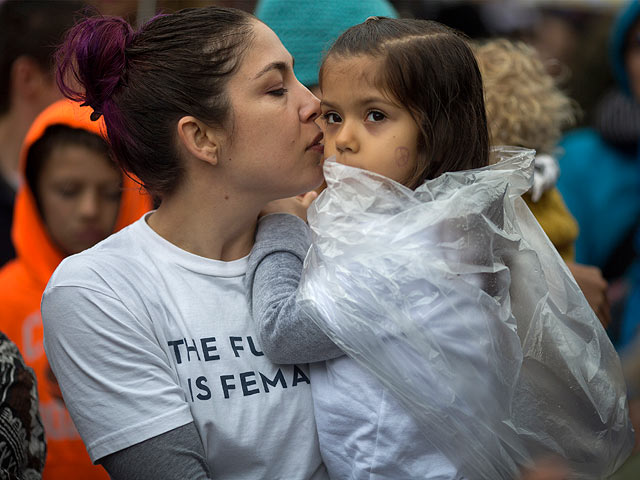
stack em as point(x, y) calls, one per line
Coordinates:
point(92, 60)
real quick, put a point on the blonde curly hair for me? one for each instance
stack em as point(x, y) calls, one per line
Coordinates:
point(524, 105)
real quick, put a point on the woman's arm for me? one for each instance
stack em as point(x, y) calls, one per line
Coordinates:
point(175, 454)
point(273, 275)
point(116, 378)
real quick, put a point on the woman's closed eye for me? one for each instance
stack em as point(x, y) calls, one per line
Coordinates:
point(278, 92)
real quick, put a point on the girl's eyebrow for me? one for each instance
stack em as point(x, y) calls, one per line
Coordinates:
point(324, 103)
point(362, 102)
point(281, 66)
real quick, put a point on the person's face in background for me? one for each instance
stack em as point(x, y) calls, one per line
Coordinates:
point(79, 195)
point(632, 59)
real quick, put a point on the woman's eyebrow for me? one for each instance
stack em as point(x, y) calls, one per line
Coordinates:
point(280, 66)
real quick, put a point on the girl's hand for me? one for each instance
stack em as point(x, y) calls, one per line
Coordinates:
point(547, 469)
point(297, 205)
point(595, 288)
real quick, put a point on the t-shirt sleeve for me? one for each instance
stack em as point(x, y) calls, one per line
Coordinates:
point(273, 275)
point(115, 378)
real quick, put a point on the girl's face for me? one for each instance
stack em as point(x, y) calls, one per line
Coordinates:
point(363, 127)
point(79, 192)
point(274, 148)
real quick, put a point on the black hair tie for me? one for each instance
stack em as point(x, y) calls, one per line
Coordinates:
point(95, 115)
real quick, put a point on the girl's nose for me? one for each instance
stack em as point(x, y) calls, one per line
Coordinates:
point(346, 139)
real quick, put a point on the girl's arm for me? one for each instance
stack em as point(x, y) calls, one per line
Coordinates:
point(273, 275)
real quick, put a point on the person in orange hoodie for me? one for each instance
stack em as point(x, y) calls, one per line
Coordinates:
point(72, 196)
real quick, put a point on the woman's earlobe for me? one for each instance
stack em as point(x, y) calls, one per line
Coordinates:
point(212, 155)
point(198, 139)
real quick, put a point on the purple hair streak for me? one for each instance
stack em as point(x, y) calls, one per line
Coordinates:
point(93, 58)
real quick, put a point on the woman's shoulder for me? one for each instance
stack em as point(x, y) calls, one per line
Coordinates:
point(118, 257)
point(110, 279)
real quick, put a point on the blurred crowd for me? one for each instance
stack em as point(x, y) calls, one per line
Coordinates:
point(567, 85)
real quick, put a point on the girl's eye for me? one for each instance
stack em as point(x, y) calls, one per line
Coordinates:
point(375, 116)
point(278, 92)
point(332, 117)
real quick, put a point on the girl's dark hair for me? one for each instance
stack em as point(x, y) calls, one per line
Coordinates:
point(56, 136)
point(430, 70)
point(144, 81)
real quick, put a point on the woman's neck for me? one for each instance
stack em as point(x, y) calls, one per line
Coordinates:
point(216, 224)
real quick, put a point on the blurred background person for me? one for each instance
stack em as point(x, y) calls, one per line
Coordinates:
point(600, 177)
point(29, 33)
point(72, 197)
point(526, 108)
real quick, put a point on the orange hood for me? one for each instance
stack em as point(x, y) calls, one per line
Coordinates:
point(30, 237)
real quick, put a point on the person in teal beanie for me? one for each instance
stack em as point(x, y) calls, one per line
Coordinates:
point(600, 177)
point(307, 29)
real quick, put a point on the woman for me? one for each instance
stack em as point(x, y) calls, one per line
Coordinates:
point(157, 358)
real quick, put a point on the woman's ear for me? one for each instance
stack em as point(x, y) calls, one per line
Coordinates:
point(199, 139)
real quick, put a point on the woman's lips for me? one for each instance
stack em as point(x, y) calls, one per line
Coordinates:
point(316, 146)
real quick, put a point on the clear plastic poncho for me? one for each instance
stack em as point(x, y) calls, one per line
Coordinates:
point(455, 299)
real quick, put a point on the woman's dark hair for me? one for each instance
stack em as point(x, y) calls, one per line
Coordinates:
point(144, 81)
point(430, 70)
point(55, 136)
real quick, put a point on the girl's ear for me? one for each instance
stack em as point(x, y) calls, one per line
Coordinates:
point(199, 139)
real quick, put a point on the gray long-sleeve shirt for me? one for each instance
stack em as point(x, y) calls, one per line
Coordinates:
point(286, 334)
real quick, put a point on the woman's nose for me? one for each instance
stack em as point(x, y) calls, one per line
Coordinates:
point(310, 109)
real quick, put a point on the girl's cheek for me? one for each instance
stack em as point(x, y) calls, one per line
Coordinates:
point(329, 147)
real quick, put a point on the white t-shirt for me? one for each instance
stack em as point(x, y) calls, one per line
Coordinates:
point(145, 337)
point(365, 434)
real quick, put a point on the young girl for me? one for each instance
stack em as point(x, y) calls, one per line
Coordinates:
point(403, 99)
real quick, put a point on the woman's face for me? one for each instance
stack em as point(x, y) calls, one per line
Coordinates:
point(79, 191)
point(274, 148)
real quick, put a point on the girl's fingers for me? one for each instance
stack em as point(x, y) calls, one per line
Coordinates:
point(307, 198)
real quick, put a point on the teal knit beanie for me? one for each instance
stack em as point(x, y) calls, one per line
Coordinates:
point(307, 28)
